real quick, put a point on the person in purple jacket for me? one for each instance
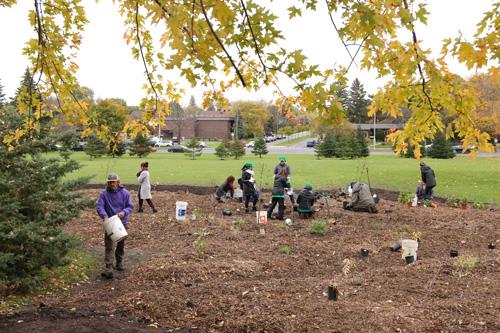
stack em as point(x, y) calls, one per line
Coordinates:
point(114, 200)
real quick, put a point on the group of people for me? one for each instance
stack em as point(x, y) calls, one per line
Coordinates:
point(116, 200)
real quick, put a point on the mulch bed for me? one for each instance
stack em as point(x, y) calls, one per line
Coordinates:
point(243, 284)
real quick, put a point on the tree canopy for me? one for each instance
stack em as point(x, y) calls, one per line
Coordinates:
point(239, 39)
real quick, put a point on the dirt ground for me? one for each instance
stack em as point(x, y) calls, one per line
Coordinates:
point(243, 284)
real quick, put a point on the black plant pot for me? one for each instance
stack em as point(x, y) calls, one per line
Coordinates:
point(492, 246)
point(453, 253)
point(332, 293)
point(395, 247)
point(227, 212)
point(365, 253)
point(409, 259)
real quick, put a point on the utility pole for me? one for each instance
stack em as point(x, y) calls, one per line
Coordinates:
point(236, 137)
point(374, 130)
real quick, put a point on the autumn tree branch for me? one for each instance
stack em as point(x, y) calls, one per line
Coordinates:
point(221, 44)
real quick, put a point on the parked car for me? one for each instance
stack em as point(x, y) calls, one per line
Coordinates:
point(166, 143)
point(250, 144)
point(177, 149)
point(459, 149)
point(202, 144)
point(311, 143)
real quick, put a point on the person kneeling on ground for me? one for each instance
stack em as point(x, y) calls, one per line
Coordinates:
point(278, 194)
point(248, 186)
point(225, 188)
point(420, 192)
point(114, 200)
point(305, 200)
point(362, 199)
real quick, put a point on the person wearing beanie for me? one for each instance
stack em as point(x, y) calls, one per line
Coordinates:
point(282, 165)
point(305, 200)
point(278, 194)
point(114, 200)
point(248, 186)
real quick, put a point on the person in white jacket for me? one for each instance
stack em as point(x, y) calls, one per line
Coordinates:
point(144, 191)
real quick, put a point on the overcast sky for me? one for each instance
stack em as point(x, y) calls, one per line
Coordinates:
point(107, 67)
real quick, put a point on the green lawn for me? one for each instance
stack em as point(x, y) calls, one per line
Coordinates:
point(476, 179)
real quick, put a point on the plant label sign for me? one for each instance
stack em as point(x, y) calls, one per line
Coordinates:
point(261, 217)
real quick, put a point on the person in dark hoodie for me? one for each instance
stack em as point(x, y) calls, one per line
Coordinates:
point(305, 200)
point(278, 194)
point(429, 179)
point(282, 165)
point(226, 187)
point(248, 186)
point(362, 199)
point(114, 200)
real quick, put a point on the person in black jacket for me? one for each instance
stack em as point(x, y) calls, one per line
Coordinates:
point(248, 186)
point(278, 194)
point(226, 187)
point(429, 179)
point(305, 200)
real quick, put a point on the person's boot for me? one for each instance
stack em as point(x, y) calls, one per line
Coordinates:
point(247, 210)
point(108, 273)
point(140, 210)
point(155, 210)
point(119, 266)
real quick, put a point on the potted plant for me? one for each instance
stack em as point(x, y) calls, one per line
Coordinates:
point(406, 198)
point(333, 291)
point(428, 203)
point(463, 203)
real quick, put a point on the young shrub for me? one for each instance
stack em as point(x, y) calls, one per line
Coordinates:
point(317, 227)
point(478, 205)
point(222, 151)
point(441, 148)
point(95, 147)
point(200, 241)
point(405, 197)
point(194, 149)
point(285, 250)
point(141, 146)
point(260, 147)
point(237, 150)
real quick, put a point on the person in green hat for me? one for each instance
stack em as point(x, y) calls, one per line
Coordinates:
point(278, 194)
point(305, 200)
point(247, 183)
point(282, 165)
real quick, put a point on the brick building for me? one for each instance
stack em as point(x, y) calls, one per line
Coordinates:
point(204, 124)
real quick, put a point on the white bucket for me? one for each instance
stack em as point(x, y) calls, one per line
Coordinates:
point(114, 228)
point(409, 247)
point(180, 210)
point(238, 193)
point(261, 217)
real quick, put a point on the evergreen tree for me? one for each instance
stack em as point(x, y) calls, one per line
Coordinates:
point(211, 107)
point(222, 151)
point(35, 202)
point(362, 148)
point(260, 147)
point(237, 149)
point(326, 148)
point(117, 149)
point(68, 141)
point(346, 146)
point(95, 147)
point(357, 105)
point(194, 148)
point(141, 146)
point(26, 87)
point(192, 102)
point(3, 101)
point(441, 148)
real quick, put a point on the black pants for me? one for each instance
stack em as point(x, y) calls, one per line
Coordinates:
point(306, 215)
point(428, 192)
point(141, 201)
point(281, 207)
point(252, 197)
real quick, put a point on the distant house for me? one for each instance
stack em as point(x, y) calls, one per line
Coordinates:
point(385, 125)
point(204, 124)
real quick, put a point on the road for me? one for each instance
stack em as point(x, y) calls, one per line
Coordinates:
point(300, 148)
